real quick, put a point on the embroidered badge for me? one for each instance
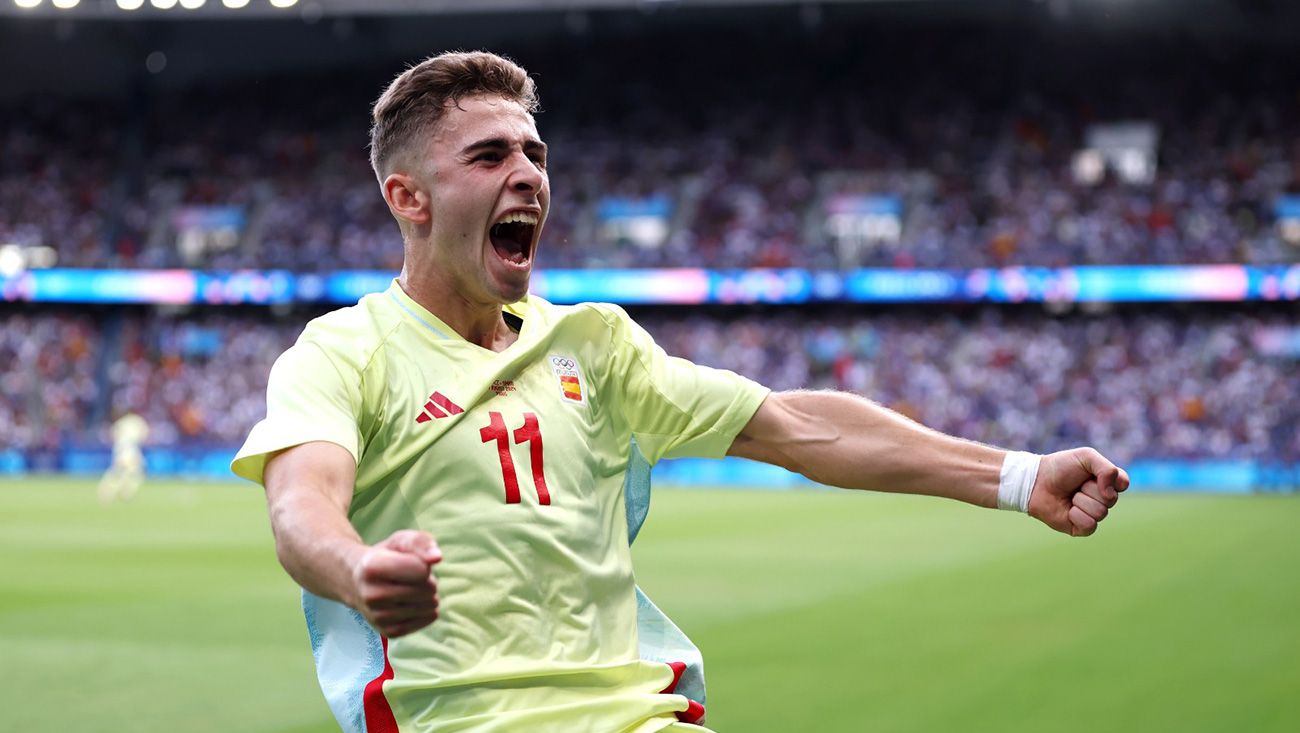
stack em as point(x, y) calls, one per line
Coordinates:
point(570, 376)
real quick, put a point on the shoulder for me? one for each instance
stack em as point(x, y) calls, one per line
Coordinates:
point(589, 317)
point(350, 337)
point(612, 316)
point(608, 312)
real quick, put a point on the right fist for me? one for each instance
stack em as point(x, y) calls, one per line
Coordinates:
point(394, 583)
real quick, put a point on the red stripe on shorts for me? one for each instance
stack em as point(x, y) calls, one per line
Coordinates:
point(379, 714)
point(694, 712)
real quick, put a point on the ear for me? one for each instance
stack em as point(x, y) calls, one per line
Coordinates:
point(406, 198)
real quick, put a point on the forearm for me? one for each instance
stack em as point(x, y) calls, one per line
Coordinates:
point(308, 491)
point(844, 440)
point(317, 545)
point(390, 583)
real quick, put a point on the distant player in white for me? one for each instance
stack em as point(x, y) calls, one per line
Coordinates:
point(126, 473)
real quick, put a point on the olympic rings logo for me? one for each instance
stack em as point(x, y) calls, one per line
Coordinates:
point(562, 362)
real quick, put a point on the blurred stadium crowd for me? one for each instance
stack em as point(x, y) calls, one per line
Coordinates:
point(1219, 385)
point(713, 159)
point(734, 170)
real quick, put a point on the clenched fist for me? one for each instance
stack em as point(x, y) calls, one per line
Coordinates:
point(1075, 490)
point(393, 583)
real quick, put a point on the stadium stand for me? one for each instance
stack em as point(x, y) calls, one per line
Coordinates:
point(983, 168)
point(1198, 384)
point(48, 370)
point(916, 145)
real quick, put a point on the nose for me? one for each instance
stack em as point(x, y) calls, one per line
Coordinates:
point(526, 176)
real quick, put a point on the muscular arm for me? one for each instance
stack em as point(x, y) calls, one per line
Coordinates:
point(843, 440)
point(308, 491)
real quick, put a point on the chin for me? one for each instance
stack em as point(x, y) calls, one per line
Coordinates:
point(511, 292)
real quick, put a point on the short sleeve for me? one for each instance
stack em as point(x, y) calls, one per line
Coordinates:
point(308, 398)
point(677, 408)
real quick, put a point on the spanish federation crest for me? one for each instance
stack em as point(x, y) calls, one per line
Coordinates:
point(569, 373)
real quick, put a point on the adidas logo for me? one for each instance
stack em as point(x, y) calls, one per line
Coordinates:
point(437, 408)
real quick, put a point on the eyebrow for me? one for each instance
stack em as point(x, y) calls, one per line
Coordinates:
point(500, 143)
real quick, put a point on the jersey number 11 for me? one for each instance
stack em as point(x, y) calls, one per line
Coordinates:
point(530, 433)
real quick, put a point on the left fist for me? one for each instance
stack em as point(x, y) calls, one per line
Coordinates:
point(1075, 490)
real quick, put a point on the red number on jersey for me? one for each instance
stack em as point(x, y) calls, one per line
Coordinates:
point(531, 432)
point(496, 430)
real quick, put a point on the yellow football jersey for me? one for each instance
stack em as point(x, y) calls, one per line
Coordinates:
point(129, 431)
point(531, 468)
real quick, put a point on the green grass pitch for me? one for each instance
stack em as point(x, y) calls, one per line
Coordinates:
point(817, 611)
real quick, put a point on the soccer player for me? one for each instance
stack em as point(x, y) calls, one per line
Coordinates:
point(456, 421)
point(126, 472)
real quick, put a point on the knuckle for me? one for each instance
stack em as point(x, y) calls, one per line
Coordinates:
point(371, 566)
point(374, 595)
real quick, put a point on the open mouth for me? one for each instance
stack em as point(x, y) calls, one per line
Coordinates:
point(512, 237)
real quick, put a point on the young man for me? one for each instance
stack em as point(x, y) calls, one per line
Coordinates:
point(454, 420)
point(126, 472)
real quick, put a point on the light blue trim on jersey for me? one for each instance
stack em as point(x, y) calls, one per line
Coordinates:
point(636, 490)
point(416, 316)
point(348, 653)
point(660, 639)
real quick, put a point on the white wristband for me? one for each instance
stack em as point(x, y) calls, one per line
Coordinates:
point(1016, 481)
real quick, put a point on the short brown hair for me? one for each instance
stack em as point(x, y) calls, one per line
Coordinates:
point(418, 98)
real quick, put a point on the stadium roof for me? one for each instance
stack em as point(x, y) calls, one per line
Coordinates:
point(1211, 17)
point(211, 9)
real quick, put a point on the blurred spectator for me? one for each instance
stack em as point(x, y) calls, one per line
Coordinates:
point(56, 182)
point(47, 369)
point(1154, 385)
point(197, 380)
point(1185, 384)
point(975, 145)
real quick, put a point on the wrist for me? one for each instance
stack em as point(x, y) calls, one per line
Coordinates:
point(1016, 480)
point(352, 558)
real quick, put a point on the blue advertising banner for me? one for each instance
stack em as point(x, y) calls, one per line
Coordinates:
point(906, 286)
point(690, 285)
point(1287, 207)
point(1148, 475)
point(188, 461)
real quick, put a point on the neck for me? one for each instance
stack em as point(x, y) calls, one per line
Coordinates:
point(477, 323)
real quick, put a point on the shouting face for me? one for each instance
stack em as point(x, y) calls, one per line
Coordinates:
point(483, 175)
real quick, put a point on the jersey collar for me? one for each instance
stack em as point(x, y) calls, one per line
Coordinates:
point(514, 312)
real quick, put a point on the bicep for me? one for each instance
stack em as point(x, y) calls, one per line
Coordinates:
point(794, 429)
point(314, 471)
point(777, 425)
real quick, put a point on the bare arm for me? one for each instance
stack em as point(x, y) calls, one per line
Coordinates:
point(308, 491)
point(843, 440)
